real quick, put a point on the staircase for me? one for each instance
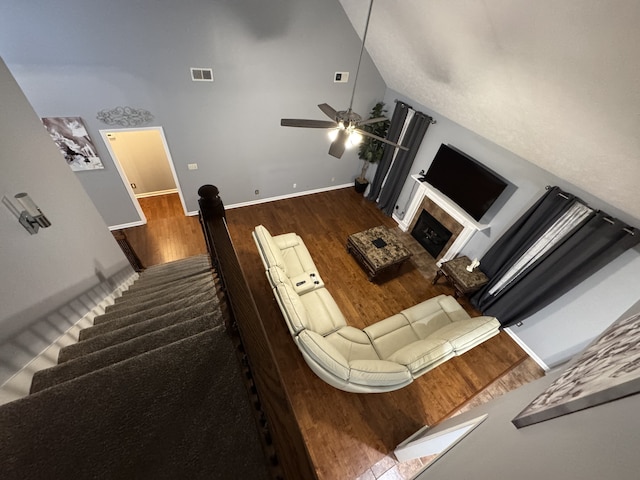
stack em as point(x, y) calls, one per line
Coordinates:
point(152, 390)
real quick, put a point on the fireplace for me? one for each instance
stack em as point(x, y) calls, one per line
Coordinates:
point(451, 216)
point(430, 233)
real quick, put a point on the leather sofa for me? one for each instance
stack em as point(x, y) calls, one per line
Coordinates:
point(382, 357)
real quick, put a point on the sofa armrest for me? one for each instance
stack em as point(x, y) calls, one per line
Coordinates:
point(377, 373)
point(270, 253)
point(302, 283)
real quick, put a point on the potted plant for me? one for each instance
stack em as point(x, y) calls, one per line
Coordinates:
point(370, 150)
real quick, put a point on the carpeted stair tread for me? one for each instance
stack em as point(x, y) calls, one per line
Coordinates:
point(140, 328)
point(135, 313)
point(192, 263)
point(176, 412)
point(129, 294)
point(116, 353)
point(143, 284)
point(174, 273)
point(189, 262)
point(188, 306)
point(154, 298)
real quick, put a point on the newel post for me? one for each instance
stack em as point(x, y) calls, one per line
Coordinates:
point(211, 206)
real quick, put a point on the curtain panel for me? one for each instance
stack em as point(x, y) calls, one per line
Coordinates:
point(392, 173)
point(393, 134)
point(588, 246)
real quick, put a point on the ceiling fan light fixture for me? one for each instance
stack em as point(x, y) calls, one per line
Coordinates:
point(344, 127)
point(354, 139)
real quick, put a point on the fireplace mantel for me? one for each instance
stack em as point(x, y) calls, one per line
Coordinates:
point(469, 224)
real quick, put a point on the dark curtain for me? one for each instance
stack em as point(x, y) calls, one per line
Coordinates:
point(404, 160)
point(597, 241)
point(393, 134)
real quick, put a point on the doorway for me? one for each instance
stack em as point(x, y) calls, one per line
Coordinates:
point(143, 160)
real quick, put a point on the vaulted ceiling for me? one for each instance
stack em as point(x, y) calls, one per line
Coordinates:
point(557, 83)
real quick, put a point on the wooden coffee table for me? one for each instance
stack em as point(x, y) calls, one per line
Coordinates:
point(377, 250)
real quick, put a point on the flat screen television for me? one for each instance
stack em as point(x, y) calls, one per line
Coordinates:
point(464, 180)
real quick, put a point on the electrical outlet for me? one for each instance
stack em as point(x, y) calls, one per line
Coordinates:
point(295, 185)
point(192, 166)
point(133, 185)
point(257, 192)
point(341, 77)
point(333, 179)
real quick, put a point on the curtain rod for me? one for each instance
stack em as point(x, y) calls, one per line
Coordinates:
point(432, 122)
point(630, 231)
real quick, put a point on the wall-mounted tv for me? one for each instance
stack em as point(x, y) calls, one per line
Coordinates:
point(464, 180)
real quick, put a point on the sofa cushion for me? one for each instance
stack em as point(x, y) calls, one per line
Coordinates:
point(323, 314)
point(269, 250)
point(296, 259)
point(423, 354)
point(323, 353)
point(366, 372)
point(466, 334)
point(353, 344)
point(315, 310)
point(391, 334)
point(433, 314)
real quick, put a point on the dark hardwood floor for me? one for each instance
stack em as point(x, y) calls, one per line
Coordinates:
point(168, 235)
point(348, 436)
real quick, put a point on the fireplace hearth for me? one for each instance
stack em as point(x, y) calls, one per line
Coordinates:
point(431, 234)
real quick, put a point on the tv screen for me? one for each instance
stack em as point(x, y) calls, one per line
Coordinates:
point(467, 182)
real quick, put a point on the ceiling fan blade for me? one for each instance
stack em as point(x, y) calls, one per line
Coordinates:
point(298, 122)
point(367, 134)
point(374, 120)
point(339, 144)
point(328, 111)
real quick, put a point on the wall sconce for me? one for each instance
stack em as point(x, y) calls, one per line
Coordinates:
point(30, 217)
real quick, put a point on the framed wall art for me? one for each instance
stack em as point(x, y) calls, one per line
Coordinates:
point(608, 369)
point(74, 143)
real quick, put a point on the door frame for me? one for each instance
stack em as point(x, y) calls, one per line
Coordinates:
point(123, 176)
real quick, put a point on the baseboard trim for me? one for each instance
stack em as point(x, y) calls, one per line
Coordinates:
point(156, 194)
point(530, 352)
point(127, 225)
point(19, 384)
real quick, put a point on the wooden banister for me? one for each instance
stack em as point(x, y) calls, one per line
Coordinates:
point(275, 404)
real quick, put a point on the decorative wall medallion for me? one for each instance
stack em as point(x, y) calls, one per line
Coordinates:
point(125, 116)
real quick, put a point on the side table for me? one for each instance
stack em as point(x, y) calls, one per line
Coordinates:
point(463, 281)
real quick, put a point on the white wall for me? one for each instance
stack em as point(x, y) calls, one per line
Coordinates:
point(270, 60)
point(564, 327)
point(592, 444)
point(41, 272)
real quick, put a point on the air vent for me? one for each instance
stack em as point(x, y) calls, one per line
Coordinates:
point(202, 74)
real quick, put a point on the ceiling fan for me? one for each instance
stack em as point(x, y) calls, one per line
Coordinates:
point(345, 124)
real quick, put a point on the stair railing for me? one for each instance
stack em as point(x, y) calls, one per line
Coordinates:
point(260, 358)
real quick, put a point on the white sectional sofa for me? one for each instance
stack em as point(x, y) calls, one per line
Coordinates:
point(382, 357)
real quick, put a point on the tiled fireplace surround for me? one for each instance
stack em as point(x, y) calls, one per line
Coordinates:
point(451, 216)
